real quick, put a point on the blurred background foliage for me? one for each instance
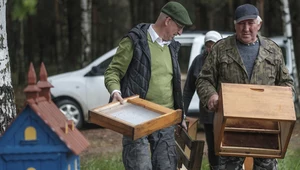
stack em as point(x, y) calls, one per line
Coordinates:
point(23, 8)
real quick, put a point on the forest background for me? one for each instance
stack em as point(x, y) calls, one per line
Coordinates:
point(68, 34)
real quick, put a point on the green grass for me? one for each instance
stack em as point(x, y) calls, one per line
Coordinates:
point(114, 162)
point(205, 164)
point(107, 162)
point(291, 160)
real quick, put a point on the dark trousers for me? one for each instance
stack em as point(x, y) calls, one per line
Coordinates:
point(236, 163)
point(161, 155)
point(213, 159)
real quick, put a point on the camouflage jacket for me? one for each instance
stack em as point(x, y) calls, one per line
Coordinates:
point(224, 65)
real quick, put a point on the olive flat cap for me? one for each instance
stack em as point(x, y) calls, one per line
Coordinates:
point(177, 12)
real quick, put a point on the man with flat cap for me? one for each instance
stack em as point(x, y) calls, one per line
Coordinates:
point(243, 58)
point(146, 64)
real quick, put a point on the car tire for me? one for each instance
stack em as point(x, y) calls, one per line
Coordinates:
point(71, 110)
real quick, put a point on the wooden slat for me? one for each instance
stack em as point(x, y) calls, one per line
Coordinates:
point(120, 127)
point(196, 154)
point(192, 161)
point(248, 130)
point(153, 125)
point(248, 149)
point(113, 104)
point(183, 157)
point(252, 123)
point(260, 155)
point(192, 124)
point(187, 140)
point(218, 124)
point(150, 106)
point(287, 130)
point(234, 151)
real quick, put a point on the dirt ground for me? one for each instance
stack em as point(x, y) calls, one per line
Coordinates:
point(102, 141)
point(105, 141)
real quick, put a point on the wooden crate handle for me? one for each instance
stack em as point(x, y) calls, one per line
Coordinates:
point(257, 89)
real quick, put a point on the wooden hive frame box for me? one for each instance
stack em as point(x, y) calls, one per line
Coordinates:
point(135, 118)
point(254, 120)
point(192, 160)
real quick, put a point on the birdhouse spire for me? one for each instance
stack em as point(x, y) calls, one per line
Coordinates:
point(32, 90)
point(43, 84)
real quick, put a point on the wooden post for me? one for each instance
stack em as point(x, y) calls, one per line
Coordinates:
point(248, 163)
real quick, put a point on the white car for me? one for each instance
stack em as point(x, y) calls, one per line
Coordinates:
point(76, 92)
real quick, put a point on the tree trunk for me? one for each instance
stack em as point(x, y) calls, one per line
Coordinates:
point(75, 35)
point(212, 8)
point(7, 108)
point(20, 55)
point(62, 42)
point(58, 36)
point(287, 24)
point(296, 31)
point(260, 6)
point(133, 13)
point(86, 31)
point(230, 17)
point(64, 34)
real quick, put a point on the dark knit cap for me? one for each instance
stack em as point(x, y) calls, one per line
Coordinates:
point(246, 11)
point(177, 12)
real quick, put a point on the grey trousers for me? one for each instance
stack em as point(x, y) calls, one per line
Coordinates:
point(161, 155)
point(236, 163)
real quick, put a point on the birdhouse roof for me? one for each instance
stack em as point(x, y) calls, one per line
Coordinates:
point(39, 100)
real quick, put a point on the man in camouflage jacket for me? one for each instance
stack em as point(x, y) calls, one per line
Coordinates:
point(244, 58)
point(225, 65)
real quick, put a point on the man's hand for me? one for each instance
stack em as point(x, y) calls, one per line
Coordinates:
point(183, 124)
point(117, 97)
point(212, 103)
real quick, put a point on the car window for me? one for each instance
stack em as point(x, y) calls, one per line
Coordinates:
point(284, 53)
point(184, 57)
point(103, 65)
point(100, 69)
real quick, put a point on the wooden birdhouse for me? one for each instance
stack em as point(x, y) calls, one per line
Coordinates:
point(41, 137)
point(135, 118)
point(254, 120)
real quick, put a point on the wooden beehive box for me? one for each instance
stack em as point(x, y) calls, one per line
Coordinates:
point(135, 118)
point(192, 131)
point(254, 120)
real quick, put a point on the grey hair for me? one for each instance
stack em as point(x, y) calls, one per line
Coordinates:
point(258, 20)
